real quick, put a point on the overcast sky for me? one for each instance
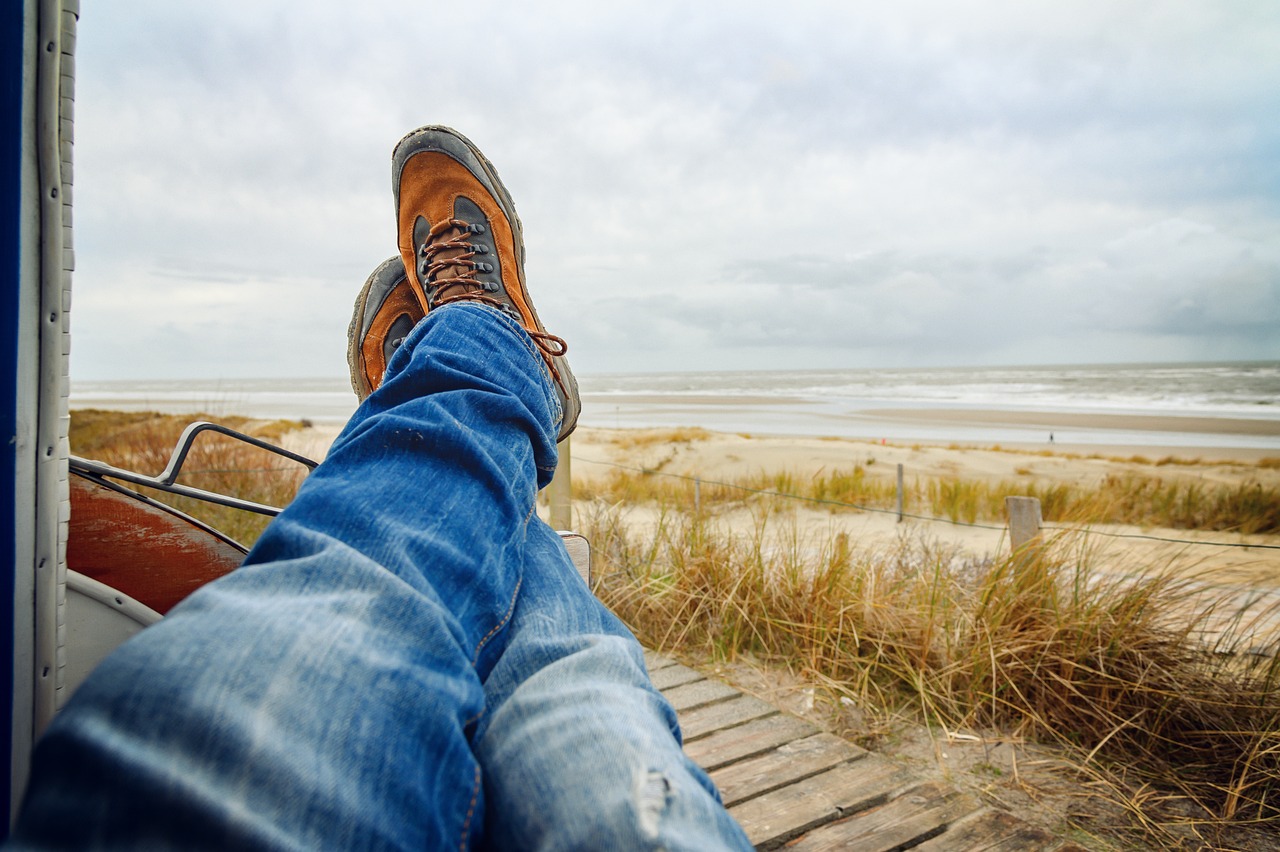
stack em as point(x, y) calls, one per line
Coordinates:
point(703, 185)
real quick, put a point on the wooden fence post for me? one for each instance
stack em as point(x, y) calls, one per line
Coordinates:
point(1024, 520)
point(560, 491)
point(899, 492)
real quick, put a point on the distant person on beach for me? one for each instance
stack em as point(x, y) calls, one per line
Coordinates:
point(407, 658)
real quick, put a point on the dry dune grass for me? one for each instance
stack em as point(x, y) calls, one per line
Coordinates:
point(143, 441)
point(1246, 507)
point(1135, 678)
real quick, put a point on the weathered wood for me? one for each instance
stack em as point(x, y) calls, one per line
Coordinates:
point(900, 490)
point(917, 814)
point(989, 830)
point(713, 717)
point(774, 818)
point(700, 693)
point(579, 550)
point(1024, 520)
point(756, 737)
point(784, 765)
point(560, 491)
point(654, 661)
point(787, 782)
point(671, 676)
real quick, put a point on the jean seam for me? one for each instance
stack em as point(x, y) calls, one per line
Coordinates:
point(471, 810)
point(506, 619)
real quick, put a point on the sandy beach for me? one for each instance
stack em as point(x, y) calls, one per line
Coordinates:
point(1241, 436)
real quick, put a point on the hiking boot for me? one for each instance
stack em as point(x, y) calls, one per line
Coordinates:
point(461, 240)
point(386, 311)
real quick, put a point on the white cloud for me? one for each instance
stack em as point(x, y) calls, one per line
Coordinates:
point(707, 185)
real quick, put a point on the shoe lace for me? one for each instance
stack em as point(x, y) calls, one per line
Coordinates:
point(450, 271)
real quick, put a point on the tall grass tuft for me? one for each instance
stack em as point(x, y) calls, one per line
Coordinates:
point(1141, 678)
point(1248, 507)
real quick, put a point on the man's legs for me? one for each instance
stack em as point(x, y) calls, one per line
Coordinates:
point(323, 695)
point(579, 749)
point(327, 694)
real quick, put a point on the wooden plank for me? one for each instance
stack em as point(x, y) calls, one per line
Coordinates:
point(699, 694)
point(774, 818)
point(916, 815)
point(989, 830)
point(654, 661)
point(665, 678)
point(784, 765)
point(713, 717)
point(756, 737)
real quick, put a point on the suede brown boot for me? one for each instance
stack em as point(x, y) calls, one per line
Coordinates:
point(461, 240)
point(386, 310)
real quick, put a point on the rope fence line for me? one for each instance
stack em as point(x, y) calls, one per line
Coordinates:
point(1092, 531)
point(926, 518)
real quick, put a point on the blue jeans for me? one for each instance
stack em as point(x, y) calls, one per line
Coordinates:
point(406, 660)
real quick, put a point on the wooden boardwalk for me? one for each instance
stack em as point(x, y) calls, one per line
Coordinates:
point(788, 783)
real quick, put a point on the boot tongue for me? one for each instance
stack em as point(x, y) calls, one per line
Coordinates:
point(441, 286)
point(449, 272)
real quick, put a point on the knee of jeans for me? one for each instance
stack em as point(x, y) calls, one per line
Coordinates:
point(641, 818)
point(652, 798)
point(634, 816)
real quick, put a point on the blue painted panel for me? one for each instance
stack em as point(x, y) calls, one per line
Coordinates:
point(11, 37)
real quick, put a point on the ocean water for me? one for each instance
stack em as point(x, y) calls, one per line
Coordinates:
point(845, 403)
point(1215, 390)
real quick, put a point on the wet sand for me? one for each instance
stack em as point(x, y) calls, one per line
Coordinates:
point(1095, 422)
point(1158, 434)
